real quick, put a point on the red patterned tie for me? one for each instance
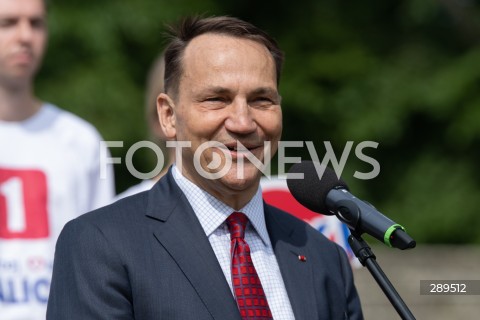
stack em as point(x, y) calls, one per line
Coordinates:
point(251, 299)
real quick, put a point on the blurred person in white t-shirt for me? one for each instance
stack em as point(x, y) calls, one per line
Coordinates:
point(49, 166)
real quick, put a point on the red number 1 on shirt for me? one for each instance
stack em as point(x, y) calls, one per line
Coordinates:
point(23, 204)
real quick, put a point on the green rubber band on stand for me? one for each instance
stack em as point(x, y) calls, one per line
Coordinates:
point(388, 233)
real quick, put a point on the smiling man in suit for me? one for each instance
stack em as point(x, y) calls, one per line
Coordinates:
point(202, 244)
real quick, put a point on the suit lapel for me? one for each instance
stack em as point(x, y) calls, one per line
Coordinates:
point(181, 234)
point(288, 244)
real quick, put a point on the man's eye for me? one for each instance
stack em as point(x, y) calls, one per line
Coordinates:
point(265, 99)
point(7, 22)
point(261, 102)
point(38, 23)
point(215, 99)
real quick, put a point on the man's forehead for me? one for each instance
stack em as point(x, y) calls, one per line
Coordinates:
point(255, 91)
point(223, 60)
point(31, 8)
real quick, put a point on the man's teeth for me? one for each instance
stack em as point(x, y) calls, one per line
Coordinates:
point(232, 148)
point(239, 149)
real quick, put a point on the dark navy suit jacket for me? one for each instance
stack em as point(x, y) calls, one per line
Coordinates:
point(147, 257)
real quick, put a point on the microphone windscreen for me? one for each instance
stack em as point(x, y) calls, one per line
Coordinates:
point(312, 190)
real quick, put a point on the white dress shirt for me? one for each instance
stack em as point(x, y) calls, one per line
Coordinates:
point(212, 214)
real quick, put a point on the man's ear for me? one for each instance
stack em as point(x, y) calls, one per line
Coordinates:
point(166, 116)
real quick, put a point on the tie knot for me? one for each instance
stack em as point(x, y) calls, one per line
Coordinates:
point(236, 223)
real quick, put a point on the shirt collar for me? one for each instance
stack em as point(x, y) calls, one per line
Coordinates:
point(212, 212)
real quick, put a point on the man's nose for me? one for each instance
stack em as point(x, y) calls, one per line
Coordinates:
point(25, 30)
point(241, 119)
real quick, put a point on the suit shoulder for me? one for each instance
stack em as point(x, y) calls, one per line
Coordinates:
point(124, 210)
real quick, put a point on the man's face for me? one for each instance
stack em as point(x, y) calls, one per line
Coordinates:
point(23, 36)
point(227, 93)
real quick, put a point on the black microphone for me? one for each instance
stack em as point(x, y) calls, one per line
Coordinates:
point(329, 195)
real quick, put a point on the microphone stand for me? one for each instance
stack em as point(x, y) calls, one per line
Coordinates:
point(366, 257)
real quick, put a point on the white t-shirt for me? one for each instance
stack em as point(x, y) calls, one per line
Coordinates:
point(144, 185)
point(49, 174)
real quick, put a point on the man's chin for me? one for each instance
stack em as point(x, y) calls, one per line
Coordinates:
point(241, 180)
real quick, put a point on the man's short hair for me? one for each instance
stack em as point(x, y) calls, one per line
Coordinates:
point(180, 36)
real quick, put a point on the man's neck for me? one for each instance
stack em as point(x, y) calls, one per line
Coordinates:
point(18, 103)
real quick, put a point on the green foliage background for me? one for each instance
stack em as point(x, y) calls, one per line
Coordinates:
point(405, 74)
